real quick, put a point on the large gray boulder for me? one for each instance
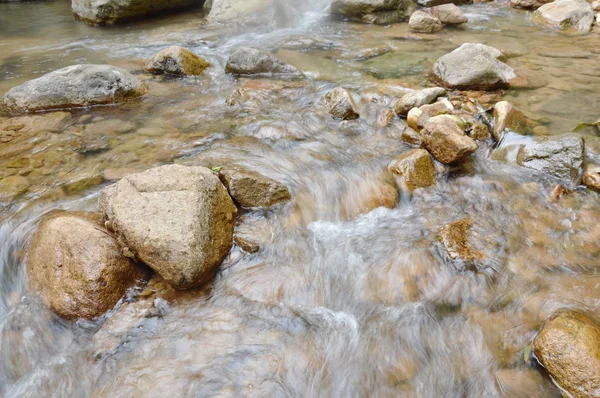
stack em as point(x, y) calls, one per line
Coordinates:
point(76, 266)
point(106, 12)
point(566, 14)
point(374, 11)
point(73, 87)
point(179, 220)
point(251, 61)
point(561, 156)
point(472, 66)
point(245, 12)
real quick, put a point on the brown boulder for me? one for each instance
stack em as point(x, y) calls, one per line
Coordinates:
point(591, 177)
point(176, 60)
point(506, 116)
point(76, 266)
point(340, 104)
point(251, 189)
point(414, 169)
point(445, 140)
point(568, 346)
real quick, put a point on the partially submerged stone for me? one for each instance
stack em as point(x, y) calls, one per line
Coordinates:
point(176, 60)
point(528, 4)
point(591, 177)
point(76, 266)
point(179, 220)
point(568, 346)
point(448, 14)
point(251, 61)
point(446, 140)
point(424, 22)
point(107, 12)
point(74, 87)
point(473, 66)
point(374, 11)
point(455, 239)
point(12, 187)
point(244, 12)
point(565, 14)
point(417, 99)
point(507, 117)
point(340, 104)
point(414, 169)
point(250, 189)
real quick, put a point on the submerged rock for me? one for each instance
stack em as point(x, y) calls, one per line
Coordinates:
point(73, 87)
point(568, 346)
point(507, 117)
point(250, 189)
point(340, 104)
point(591, 177)
point(448, 14)
point(106, 12)
point(417, 99)
point(76, 266)
point(414, 169)
point(473, 66)
point(176, 60)
point(179, 220)
point(455, 239)
point(12, 187)
point(251, 61)
point(565, 14)
point(374, 11)
point(446, 140)
point(424, 22)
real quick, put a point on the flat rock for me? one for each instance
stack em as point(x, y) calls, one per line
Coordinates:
point(107, 12)
point(74, 87)
point(417, 99)
point(179, 220)
point(250, 189)
point(251, 61)
point(176, 60)
point(448, 14)
point(473, 66)
point(12, 187)
point(76, 266)
point(568, 346)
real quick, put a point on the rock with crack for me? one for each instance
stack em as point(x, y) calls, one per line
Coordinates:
point(179, 220)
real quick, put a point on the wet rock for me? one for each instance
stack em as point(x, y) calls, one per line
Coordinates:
point(76, 266)
point(385, 117)
point(176, 60)
point(179, 220)
point(591, 177)
point(414, 169)
point(568, 346)
point(565, 14)
point(369, 196)
point(445, 140)
point(417, 99)
point(250, 189)
point(438, 108)
point(455, 239)
point(433, 3)
point(374, 11)
point(424, 22)
point(528, 4)
point(12, 187)
point(107, 12)
point(340, 104)
point(250, 61)
point(73, 87)
point(416, 119)
point(472, 66)
point(449, 14)
point(560, 156)
point(245, 244)
point(520, 383)
point(245, 12)
point(411, 136)
point(558, 192)
point(506, 116)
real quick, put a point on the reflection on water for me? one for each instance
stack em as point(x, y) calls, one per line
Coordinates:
point(339, 301)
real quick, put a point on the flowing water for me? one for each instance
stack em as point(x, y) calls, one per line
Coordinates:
point(339, 302)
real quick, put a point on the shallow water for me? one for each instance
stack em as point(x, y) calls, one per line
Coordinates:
point(338, 302)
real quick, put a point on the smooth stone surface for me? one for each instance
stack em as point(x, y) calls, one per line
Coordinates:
point(445, 140)
point(591, 177)
point(176, 60)
point(507, 117)
point(106, 12)
point(250, 189)
point(565, 14)
point(417, 99)
point(244, 12)
point(251, 61)
point(424, 22)
point(449, 14)
point(74, 87)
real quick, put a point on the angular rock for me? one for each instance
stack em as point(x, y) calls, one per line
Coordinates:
point(76, 266)
point(250, 61)
point(107, 12)
point(244, 12)
point(414, 169)
point(568, 346)
point(565, 14)
point(340, 104)
point(424, 22)
point(472, 66)
point(179, 220)
point(250, 189)
point(411, 136)
point(591, 177)
point(12, 187)
point(417, 99)
point(445, 140)
point(374, 11)
point(455, 238)
point(176, 60)
point(506, 116)
point(73, 87)
point(449, 14)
